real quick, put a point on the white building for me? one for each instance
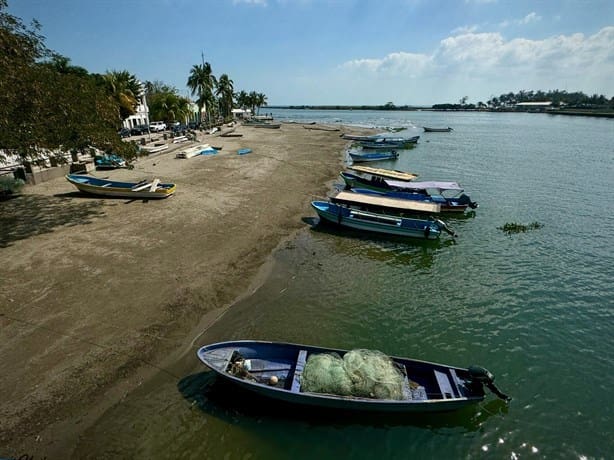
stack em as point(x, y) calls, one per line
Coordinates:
point(141, 117)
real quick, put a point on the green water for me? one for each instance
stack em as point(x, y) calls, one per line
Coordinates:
point(535, 308)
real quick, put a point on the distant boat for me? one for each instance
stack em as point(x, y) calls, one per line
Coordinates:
point(369, 221)
point(387, 143)
point(387, 385)
point(265, 125)
point(145, 189)
point(436, 130)
point(373, 156)
point(243, 151)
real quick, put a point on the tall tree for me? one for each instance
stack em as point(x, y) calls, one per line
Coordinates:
point(202, 83)
point(125, 89)
point(224, 92)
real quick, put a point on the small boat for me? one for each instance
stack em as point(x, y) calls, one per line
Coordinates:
point(385, 173)
point(193, 151)
point(374, 156)
point(265, 125)
point(387, 143)
point(379, 202)
point(109, 161)
point(361, 381)
point(458, 204)
point(432, 190)
point(243, 151)
point(436, 130)
point(103, 187)
point(346, 216)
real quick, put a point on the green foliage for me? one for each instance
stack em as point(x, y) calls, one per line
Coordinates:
point(48, 104)
point(10, 185)
point(513, 227)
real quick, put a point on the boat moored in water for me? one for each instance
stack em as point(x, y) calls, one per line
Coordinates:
point(355, 380)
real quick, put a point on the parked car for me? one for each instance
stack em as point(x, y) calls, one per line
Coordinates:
point(157, 126)
point(124, 132)
point(179, 128)
point(139, 129)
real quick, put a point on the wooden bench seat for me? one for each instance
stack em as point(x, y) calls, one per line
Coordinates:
point(298, 371)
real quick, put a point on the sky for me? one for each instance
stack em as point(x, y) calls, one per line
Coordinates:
point(348, 52)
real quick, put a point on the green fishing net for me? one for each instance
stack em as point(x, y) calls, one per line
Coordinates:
point(360, 373)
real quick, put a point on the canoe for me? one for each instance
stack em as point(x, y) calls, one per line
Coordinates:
point(284, 372)
point(387, 173)
point(243, 151)
point(346, 216)
point(153, 189)
point(436, 130)
point(373, 156)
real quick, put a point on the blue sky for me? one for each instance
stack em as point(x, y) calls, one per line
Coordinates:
point(353, 52)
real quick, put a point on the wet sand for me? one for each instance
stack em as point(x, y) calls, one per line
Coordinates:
point(97, 295)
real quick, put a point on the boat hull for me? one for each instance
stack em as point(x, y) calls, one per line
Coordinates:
point(99, 187)
point(282, 360)
point(377, 223)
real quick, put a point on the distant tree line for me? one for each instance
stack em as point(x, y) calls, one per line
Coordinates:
point(559, 98)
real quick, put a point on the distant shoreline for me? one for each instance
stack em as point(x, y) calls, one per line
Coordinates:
point(577, 113)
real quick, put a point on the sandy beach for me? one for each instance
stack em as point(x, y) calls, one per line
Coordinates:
point(98, 294)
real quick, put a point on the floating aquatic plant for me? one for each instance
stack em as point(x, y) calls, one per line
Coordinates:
point(513, 227)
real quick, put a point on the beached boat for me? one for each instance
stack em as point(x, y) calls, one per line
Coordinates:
point(346, 216)
point(193, 151)
point(362, 380)
point(109, 161)
point(384, 173)
point(373, 156)
point(265, 125)
point(243, 151)
point(436, 130)
point(450, 195)
point(152, 189)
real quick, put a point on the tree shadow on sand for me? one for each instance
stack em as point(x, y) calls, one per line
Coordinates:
point(29, 215)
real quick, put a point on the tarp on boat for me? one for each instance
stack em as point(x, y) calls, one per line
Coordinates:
point(424, 185)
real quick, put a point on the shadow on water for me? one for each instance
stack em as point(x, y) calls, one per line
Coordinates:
point(30, 215)
point(228, 402)
point(391, 249)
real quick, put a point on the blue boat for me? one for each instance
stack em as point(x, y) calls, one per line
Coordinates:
point(389, 143)
point(431, 191)
point(346, 216)
point(243, 151)
point(282, 371)
point(373, 156)
point(109, 161)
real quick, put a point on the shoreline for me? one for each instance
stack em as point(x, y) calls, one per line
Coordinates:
point(102, 294)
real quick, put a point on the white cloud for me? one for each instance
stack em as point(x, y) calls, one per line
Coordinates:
point(464, 30)
point(528, 19)
point(491, 63)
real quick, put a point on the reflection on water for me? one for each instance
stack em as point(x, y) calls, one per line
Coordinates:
point(219, 399)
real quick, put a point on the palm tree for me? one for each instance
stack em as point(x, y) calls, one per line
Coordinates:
point(224, 92)
point(125, 89)
point(260, 100)
point(242, 99)
point(202, 83)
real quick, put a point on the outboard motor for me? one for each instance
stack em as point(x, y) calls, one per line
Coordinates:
point(445, 227)
point(464, 199)
point(482, 376)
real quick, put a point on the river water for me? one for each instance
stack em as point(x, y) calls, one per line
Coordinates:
point(535, 308)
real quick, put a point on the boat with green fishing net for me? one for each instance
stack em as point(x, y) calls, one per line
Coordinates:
point(360, 380)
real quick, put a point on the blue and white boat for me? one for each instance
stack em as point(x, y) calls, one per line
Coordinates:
point(358, 157)
point(147, 189)
point(281, 371)
point(389, 143)
point(346, 216)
